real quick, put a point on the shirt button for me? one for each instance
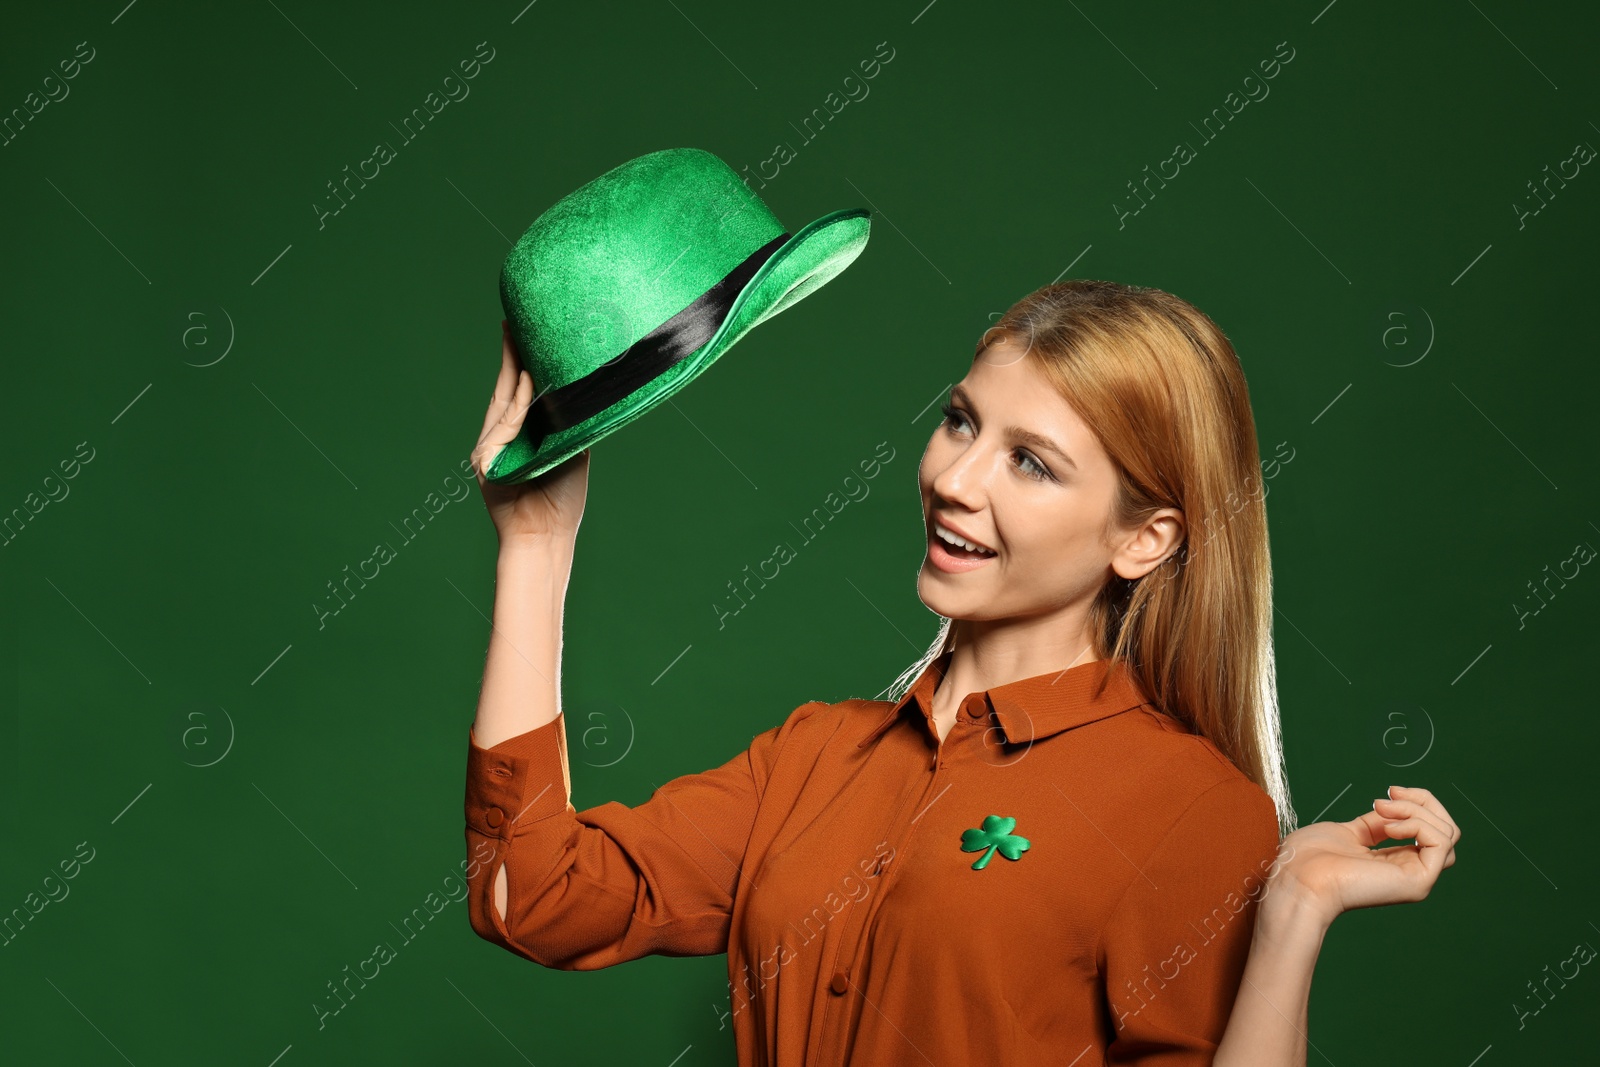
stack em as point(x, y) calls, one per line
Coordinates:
point(494, 817)
point(840, 983)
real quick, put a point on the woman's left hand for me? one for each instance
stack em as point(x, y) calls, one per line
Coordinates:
point(1334, 867)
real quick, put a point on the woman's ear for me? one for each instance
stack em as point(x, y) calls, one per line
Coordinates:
point(1155, 541)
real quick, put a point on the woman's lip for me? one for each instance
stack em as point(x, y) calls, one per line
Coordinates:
point(936, 521)
point(940, 557)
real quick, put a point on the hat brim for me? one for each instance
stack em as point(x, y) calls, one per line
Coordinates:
point(816, 254)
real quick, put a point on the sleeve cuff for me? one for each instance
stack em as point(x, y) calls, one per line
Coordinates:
point(516, 783)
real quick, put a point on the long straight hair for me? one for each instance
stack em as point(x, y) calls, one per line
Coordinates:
point(1163, 390)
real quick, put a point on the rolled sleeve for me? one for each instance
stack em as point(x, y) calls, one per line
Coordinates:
point(1173, 950)
point(589, 889)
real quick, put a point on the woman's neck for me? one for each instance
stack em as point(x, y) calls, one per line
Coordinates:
point(977, 663)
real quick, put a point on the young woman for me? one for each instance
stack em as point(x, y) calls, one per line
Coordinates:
point(1059, 842)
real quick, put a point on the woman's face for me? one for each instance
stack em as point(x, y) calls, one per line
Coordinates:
point(1014, 468)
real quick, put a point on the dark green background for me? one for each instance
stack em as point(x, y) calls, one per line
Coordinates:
point(144, 609)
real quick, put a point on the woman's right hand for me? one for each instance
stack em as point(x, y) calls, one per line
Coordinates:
point(546, 508)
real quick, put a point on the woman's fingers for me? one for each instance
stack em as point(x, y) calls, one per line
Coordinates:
point(1368, 828)
point(1436, 810)
point(508, 406)
point(1429, 851)
point(1428, 801)
point(506, 426)
point(505, 381)
point(518, 407)
point(1408, 809)
point(1433, 849)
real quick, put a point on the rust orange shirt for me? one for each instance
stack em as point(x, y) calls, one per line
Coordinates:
point(1070, 877)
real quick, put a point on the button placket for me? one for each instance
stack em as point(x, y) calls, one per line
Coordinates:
point(901, 835)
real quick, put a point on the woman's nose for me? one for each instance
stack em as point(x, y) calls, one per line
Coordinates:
point(961, 480)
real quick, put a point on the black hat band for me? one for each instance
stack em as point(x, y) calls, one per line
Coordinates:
point(647, 358)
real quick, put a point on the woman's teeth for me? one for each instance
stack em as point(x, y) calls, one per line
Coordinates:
point(959, 545)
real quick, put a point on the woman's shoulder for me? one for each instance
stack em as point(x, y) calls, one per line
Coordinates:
point(1173, 742)
point(1186, 762)
point(1172, 787)
point(812, 719)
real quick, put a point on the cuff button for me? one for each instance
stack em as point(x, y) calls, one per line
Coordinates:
point(494, 817)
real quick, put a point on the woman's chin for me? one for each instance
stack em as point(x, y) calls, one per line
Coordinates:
point(935, 590)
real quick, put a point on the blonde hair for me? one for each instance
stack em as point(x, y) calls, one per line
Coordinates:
point(1164, 391)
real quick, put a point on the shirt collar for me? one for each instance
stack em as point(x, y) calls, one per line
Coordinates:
point(1035, 707)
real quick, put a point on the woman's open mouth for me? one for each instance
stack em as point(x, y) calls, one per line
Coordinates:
point(952, 553)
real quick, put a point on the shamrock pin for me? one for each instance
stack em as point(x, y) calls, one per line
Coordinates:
point(996, 834)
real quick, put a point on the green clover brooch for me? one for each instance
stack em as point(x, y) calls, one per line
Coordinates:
point(995, 834)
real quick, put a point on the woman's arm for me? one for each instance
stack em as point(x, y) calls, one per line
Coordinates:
point(1268, 1027)
point(537, 525)
point(1324, 870)
point(581, 890)
point(522, 672)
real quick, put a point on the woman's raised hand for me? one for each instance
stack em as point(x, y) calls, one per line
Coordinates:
point(546, 508)
point(1336, 866)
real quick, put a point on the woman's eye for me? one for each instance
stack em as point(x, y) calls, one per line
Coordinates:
point(1042, 474)
point(954, 419)
point(951, 415)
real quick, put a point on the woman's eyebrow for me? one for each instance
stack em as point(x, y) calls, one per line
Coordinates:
point(1037, 440)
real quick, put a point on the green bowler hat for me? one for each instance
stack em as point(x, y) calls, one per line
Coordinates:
point(625, 290)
